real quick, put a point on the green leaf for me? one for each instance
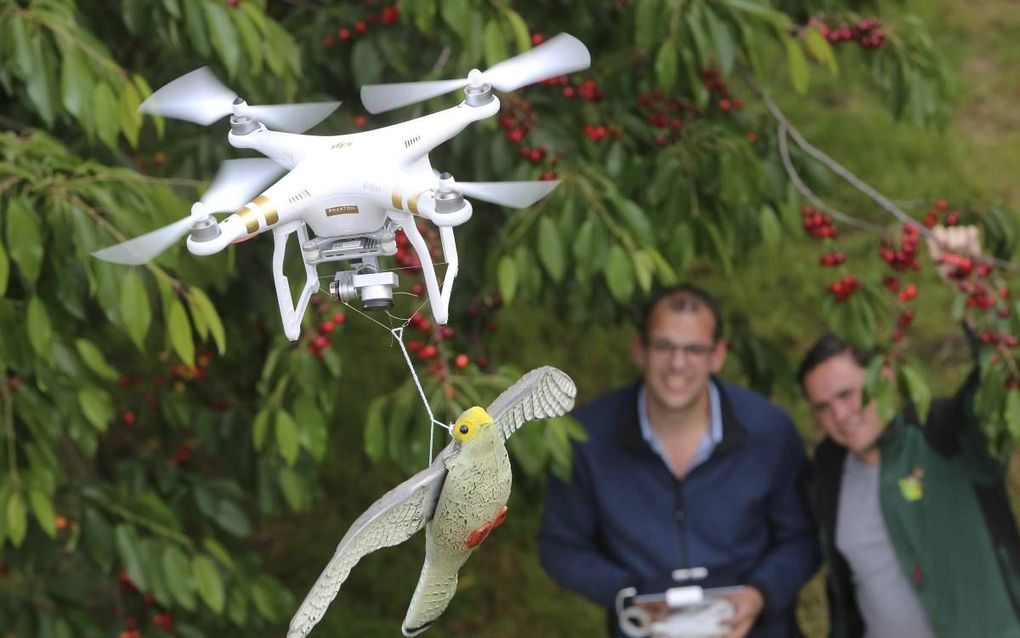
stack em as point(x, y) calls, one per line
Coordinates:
point(76, 81)
point(96, 406)
point(292, 487)
point(666, 66)
point(40, 333)
point(208, 582)
point(261, 428)
point(135, 312)
point(637, 222)
point(820, 49)
point(457, 15)
point(287, 437)
point(647, 22)
point(224, 36)
point(918, 390)
point(768, 223)
point(127, 542)
point(98, 535)
point(644, 270)
point(550, 249)
point(619, 274)
point(203, 307)
point(798, 65)
point(107, 114)
point(495, 44)
point(366, 63)
point(522, 37)
point(24, 240)
point(375, 431)
point(17, 518)
point(5, 269)
point(179, 330)
point(722, 37)
point(42, 507)
point(1012, 413)
point(232, 519)
point(95, 360)
point(177, 572)
point(506, 278)
point(314, 433)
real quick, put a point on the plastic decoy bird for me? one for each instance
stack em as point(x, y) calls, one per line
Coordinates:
point(459, 499)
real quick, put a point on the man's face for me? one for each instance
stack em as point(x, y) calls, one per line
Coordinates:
point(834, 390)
point(679, 357)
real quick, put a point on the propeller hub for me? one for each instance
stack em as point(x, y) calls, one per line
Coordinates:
point(478, 95)
point(205, 230)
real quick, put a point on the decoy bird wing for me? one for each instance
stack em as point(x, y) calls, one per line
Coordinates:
point(391, 520)
point(540, 394)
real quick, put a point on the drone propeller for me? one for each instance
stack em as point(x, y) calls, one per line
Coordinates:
point(234, 185)
point(509, 194)
point(201, 98)
point(556, 56)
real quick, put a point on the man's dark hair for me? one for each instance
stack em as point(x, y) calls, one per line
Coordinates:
point(827, 347)
point(681, 298)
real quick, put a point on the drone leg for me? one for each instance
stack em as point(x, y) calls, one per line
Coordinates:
point(452, 263)
point(438, 300)
point(291, 316)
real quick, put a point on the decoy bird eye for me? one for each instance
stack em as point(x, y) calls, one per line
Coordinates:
point(464, 429)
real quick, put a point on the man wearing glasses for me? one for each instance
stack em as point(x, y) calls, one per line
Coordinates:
point(914, 517)
point(682, 470)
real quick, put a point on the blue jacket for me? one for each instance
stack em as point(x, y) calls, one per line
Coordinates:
point(625, 520)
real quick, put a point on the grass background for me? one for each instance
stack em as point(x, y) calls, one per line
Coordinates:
point(503, 591)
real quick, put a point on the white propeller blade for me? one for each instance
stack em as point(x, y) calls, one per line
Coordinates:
point(510, 194)
point(378, 98)
point(200, 97)
point(238, 181)
point(197, 97)
point(556, 56)
point(235, 184)
point(143, 248)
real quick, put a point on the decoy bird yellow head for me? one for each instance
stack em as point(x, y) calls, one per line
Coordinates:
point(469, 423)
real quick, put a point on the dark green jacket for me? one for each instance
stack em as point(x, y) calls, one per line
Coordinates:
point(947, 512)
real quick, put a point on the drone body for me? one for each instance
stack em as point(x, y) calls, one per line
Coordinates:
point(459, 500)
point(354, 192)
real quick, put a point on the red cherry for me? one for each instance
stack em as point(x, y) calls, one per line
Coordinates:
point(428, 352)
point(482, 361)
point(537, 39)
point(515, 135)
point(725, 105)
point(360, 26)
point(414, 346)
point(344, 33)
point(320, 342)
point(339, 318)
point(942, 204)
point(328, 41)
point(129, 417)
point(360, 121)
point(327, 327)
point(461, 361)
point(547, 176)
point(569, 92)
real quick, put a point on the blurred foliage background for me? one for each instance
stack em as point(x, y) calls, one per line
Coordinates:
point(171, 464)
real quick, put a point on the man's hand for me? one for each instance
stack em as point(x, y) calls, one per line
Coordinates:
point(960, 242)
point(749, 603)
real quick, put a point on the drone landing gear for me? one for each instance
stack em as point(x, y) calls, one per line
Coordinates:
point(290, 314)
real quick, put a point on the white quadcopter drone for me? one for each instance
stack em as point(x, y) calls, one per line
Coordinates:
point(354, 191)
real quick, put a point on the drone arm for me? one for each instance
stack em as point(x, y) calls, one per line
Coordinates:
point(439, 300)
point(290, 314)
point(424, 134)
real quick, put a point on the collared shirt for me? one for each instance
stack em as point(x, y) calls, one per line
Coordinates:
point(708, 440)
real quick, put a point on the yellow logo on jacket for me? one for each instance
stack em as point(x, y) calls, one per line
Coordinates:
point(912, 485)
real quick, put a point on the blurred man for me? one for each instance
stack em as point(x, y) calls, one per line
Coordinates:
point(682, 470)
point(914, 519)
